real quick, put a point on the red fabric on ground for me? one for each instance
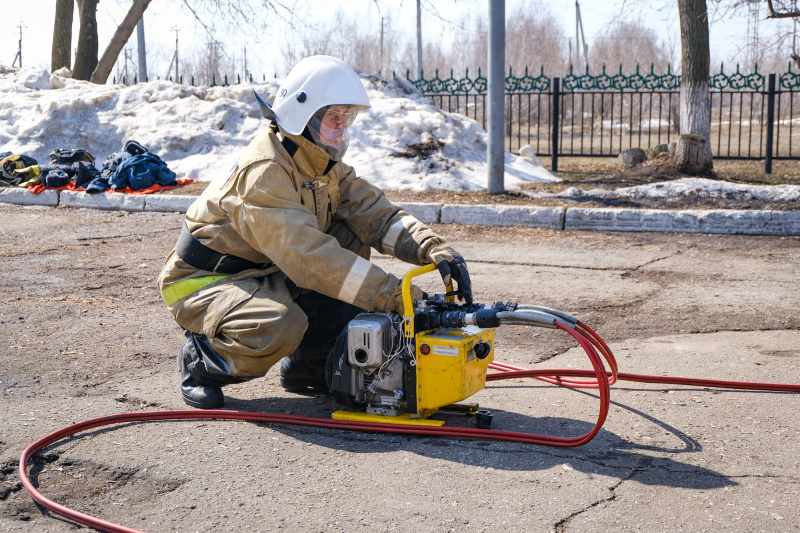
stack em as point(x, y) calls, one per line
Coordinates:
point(37, 189)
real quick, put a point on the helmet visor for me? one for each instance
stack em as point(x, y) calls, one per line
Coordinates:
point(329, 127)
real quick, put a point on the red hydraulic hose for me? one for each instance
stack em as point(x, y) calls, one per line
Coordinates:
point(556, 377)
point(588, 340)
point(588, 344)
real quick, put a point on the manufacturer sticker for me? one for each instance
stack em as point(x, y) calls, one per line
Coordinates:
point(451, 351)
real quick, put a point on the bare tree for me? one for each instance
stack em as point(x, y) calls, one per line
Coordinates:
point(782, 9)
point(470, 46)
point(629, 44)
point(693, 154)
point(61, 52)
point(121, 36)
point(317, 39)
point(771, 55)
point(86, 55)
point(241, 12)
point(535, 38)
point(344, 37)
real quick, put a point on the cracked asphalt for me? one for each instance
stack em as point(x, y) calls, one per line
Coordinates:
point(85, 334)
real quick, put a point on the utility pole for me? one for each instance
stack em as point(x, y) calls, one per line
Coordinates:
point(380, 69)
point(419, 39)
point(579, 24)
point(794, 33)
point(753, 25)
point(246, 77)
point(495, 155)
point(127, 53)
point(142, 52)
point(175, 29)
point(569, 43)
point(18, 57)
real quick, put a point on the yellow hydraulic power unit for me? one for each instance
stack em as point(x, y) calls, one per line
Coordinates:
point(451, 366)
point(403, 369)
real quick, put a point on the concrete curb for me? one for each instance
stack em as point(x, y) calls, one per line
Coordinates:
point(425, 213)
point(23, 197)
point(724, 221)
point(169, 203)
point(504, 215)
point(104, 200)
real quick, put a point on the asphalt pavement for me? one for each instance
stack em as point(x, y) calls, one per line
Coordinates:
point(85, 335)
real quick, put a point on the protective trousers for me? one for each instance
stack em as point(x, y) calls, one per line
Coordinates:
point(253, 322)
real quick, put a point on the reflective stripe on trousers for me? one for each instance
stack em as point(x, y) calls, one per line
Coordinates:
point(184, 288)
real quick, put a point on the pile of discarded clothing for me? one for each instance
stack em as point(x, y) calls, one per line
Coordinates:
point(133, 170)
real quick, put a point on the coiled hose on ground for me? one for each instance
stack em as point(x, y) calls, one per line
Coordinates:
point(530, 315)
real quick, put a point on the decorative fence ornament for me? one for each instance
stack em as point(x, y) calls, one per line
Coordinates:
point(737, 80)
point(790, 80)
point(601, 82)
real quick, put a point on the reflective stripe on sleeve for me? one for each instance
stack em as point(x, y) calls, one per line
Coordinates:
point(395, 230)
point(355, 278)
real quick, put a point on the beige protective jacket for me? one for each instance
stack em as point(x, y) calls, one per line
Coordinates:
point(275, 208)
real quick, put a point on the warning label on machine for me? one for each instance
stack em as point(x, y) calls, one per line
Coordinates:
point(445, 350)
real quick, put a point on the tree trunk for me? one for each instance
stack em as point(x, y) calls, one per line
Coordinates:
point(61, 52)
point(121, 36)
point(86, 56)
point(695, 113)
point(691, 156)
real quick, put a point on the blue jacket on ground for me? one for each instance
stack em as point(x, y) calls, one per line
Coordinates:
point(138, 172)
point(143, 171)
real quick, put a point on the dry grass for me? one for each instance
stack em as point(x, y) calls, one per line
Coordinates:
point(784, 171)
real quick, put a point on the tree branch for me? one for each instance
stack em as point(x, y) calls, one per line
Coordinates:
point(781, 14)
point(121, 36)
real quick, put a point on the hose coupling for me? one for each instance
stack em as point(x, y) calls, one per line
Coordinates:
point(483, 318)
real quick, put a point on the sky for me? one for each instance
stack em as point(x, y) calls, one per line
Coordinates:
point(728, 33)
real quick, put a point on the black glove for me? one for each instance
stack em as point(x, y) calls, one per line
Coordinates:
point(452, 267)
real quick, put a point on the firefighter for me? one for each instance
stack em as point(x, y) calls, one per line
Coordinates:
point(273, 259)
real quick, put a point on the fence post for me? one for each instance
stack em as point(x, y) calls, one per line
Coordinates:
point(770, 122)
point(556, 105)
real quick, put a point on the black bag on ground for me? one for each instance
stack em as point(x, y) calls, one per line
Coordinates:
point(62, 156)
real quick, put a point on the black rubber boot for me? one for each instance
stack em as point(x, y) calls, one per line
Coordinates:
point(303, 372)
point(203, 373)
point(303, 376)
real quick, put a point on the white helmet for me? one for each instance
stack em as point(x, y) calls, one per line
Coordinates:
point(314, 83)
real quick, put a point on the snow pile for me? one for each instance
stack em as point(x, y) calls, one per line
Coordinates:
point(684, 188)
point(402, 142)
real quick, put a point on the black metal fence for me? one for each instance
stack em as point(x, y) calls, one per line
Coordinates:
point(752, 116)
